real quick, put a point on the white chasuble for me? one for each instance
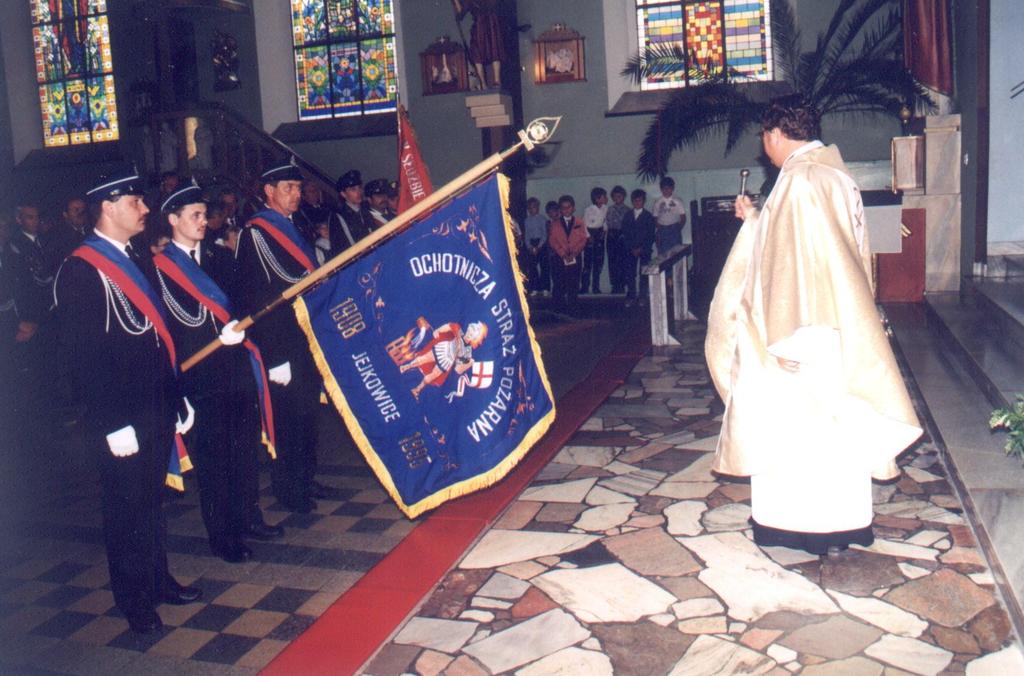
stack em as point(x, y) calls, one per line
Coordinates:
point(797, 287)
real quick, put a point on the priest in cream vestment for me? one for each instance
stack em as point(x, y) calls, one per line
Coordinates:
point(814, 402)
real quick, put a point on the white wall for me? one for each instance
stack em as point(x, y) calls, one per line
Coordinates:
point(19, 64)
point(620, 43)
point(276, 67)
point(1006, 140)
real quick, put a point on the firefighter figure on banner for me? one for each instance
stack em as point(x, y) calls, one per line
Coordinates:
point(436, 353)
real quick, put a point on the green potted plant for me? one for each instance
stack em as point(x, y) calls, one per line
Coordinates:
point(1011, 419)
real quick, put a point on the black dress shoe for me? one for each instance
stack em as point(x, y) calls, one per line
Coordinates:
point(234, 553)
point(237, 554)
point(179, 595)
point(263, 531)
point(144, 621)
point(321, 492)
point(302, 505)
point(295, 501)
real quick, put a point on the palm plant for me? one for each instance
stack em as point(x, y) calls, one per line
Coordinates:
point(838, 77)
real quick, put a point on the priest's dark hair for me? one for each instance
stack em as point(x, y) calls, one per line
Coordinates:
point(794, 116)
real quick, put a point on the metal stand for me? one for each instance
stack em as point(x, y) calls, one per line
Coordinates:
point(675, 261)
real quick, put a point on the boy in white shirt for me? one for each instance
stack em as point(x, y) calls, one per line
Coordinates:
point(535, 241)
point(593, 255)
point(670, 214)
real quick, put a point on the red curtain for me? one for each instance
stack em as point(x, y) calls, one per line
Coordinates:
point(927, 43)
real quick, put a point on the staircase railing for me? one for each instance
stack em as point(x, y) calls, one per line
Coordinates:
point(214, 143)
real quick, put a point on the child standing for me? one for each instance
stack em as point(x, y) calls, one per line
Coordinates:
point(567, 237)
point(593, 255)
point(638, 229)
point(616, 247)
point(536, 245)
point(670, 214)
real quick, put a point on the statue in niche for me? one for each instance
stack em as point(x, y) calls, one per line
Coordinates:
point(224, 48)
point(561, 61)
point(486, 42)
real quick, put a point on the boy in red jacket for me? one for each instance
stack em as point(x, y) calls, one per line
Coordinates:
point(567, 237)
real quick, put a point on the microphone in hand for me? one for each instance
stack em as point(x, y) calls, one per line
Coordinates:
point(744, 173)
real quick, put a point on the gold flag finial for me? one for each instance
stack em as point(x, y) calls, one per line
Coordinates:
point(539, 131)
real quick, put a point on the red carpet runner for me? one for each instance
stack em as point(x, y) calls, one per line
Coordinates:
point(352, 629)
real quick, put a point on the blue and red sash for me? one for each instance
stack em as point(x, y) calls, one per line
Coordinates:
point(284, 232)
point(117, 267)
point(183, 270)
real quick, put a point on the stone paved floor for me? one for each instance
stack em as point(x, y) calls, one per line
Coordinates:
point(627, 556)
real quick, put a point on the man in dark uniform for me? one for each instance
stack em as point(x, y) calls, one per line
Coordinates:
point(229, 202)
point(33, 293)
point(124, 370)
point(68, 234)
point(191, 277)
point(392, 196)
point(354, 221)
point(271, 256)
point(8, 329)
point(8, 315)
point(377, 201)
point(312, 212)
point(32, 280)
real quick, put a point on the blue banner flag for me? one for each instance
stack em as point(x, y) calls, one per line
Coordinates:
point(427, 352)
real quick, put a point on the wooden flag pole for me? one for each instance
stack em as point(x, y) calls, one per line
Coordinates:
point(537, 132)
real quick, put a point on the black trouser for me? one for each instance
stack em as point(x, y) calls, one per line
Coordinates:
point(617, 260)
point(633, 265)
point(134, 530)
point(538, 268)
point(223, 446)
point(8, 376)
point(566, 282)
point(593, 261)
point(295, 424)
point(40, 375)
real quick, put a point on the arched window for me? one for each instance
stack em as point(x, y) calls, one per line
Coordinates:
point(344, 57)
point(74, 71)
point(715, 34)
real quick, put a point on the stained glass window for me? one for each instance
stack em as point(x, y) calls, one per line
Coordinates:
point(74, 71)
point(733, 36)
point(344, 57)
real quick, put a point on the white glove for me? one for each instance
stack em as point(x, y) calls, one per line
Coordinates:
point(281, 374)
point(123, 442)
point(183, 426)
point(228, 335)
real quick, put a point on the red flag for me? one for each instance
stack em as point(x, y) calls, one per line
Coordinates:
point(927, 43)
point(413, 177)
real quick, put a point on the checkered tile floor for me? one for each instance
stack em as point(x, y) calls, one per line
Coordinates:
point(57, 613)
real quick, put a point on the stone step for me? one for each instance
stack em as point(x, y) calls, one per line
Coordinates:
point(1002, 266)
point(983, 329)
point(1014, 266)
